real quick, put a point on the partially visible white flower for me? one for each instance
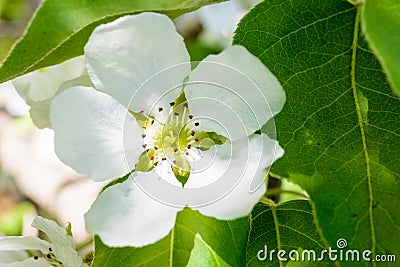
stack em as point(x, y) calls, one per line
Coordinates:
point(59, 252)
point(38, 88)
point(11, 101)
point(141, 65)
point(219, 21)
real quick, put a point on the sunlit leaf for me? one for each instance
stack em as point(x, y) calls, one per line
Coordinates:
point(381, 24)
point(60, 29)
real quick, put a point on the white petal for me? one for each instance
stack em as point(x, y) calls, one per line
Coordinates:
point(249, 159)
point(63, 244)
point(219, 21)
point(31, 262)
point(12, 101)
point(24, 243)
point(124, 215)
point(122, 55)
point(43, 84)
point(234, 90)
point(94, 134)
point(40, 109)
point(211, 166)
point(221, 177)
point(11, 256)
point(55, 233)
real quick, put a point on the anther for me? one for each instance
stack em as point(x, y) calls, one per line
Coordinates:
point(155, 148)
point(143, 135)
point(192, 133)
point(164, 159)
point(175, 150)
point(196, 139)
point(152, 122)
point(187, 153)
point(160, 109)
point(144, 127)
point(152, 158)
point(36, 257)
point(48, 256)
point(50, 249)
point(172, 104)
point(190, 116)
point(141, 111)
point(186, 105)
point(144, 145)
point(174, 161)
point(196, 124)
point(176, 114)
point(189, 146)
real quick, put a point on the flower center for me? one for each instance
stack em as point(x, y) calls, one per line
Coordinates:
point(177, 135)
point(174, 140)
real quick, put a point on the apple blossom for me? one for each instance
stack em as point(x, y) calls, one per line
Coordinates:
point(186, 138)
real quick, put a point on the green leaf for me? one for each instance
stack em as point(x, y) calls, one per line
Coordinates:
point(209, 139)
point(144, 163)
point(288, 226)
point(381, 24)
point(226, 238)
point(60, 29)
point(181, 169)
point(203, 255)
point(340, 125)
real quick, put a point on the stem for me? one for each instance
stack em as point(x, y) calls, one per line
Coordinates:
point(84, 244)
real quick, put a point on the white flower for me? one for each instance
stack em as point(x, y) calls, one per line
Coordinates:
point(11, 101)
point(38, 88)
point(60, 252)
point(141, 64)
point(220, 20)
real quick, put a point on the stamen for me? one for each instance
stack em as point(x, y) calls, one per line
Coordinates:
point(160, 109)
point(48, 256)
point(190, 116)
point(196, 124)
point(186, 105)
point(172, 104)
point(176, 113)
point(50, 249)
point(189, 146)
point(187, 153)
point(36, 257)
point(174, 162)
point(141, 111)
point(192, 133)
point(196, 139)
point(152, 122)
point(152, 158)
point(164, 159)
point(155, 148)
point(144, 127)
point(144, 145)
point(175, 150)
point(143, 135)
